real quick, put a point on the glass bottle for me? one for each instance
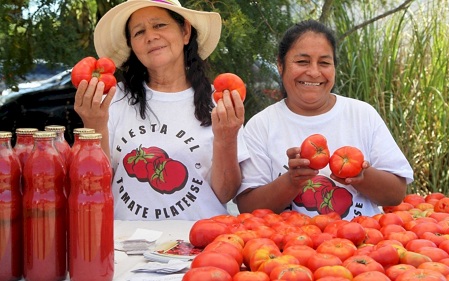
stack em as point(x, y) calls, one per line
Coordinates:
point(60, 142)
point(76, 143)
point(44, 212)
point(91, 218)
point(64, 149)
point(24, 143)
point(11, 252)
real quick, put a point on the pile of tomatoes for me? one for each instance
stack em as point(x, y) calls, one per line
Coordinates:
point(406, 242)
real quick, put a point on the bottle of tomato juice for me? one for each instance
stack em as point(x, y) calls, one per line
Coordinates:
point(11, 253)
point(91, 218)
point(44, 212)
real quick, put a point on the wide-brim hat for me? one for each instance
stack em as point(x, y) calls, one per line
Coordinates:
point(110, 39)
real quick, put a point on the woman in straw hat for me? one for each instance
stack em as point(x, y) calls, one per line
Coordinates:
point(175, 153)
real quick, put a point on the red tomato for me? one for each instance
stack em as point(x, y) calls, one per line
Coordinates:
point(253, 245)
point(421, 275)
point(291, 272)
point(89, 67)
point(362, 263)
point(319, 260)
point(314, 148)
point(301, 252)
point(332, 270)
point(227, 248)
point(386, 255)
point(209, 273)
point(437, 266)
point(442, 205)
point(271, 263)
point(395, 270)
point(414, 199)
point(216, 259)
point(434, 195)
point(413, 258)
point(402, 237)
point(415, 244)
point(298, 239)
point(423, 227)
point(435, 254)
point(367, 222)
point(352, 231)
point(346, 162)
point(232, 238)
point(390, 218)
point(262, 255)
point(205, 231)
point(371, 276)
point(251, 276)
point(340, 247)
point(228, 81)
point(373, 236)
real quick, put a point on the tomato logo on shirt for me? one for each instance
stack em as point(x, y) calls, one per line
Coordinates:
point(153, 165)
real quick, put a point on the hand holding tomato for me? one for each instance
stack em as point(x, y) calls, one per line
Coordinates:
point(314, 148)
point(230, 82)
point(346, 162)
point(89, 67)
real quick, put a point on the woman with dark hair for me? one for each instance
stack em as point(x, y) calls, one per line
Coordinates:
point(306, 62)
point(175, 153)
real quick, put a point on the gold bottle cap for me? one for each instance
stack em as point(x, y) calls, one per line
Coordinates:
point(78, 131)
point(44, 134)
point(5, 134)
point(55, 128)
point(26, 131)
point(91, 136)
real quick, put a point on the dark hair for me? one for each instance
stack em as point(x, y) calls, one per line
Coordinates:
point(296, 31)
point(135, 74)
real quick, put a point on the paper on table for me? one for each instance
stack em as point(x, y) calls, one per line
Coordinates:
point(140, 241)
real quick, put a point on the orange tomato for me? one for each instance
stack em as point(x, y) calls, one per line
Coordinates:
point(230, 82)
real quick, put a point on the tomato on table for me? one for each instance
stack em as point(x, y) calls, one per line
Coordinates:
point(210, 273)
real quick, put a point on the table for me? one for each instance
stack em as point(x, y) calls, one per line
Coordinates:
point(171, 230)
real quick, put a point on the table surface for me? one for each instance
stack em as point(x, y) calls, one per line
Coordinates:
point(171, 230)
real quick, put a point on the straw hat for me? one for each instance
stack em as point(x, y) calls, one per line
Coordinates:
point(109, 35)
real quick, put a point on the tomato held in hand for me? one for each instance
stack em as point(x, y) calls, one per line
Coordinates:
point(228, 81)
point(346, 162)
point(314, 148)
point(89, 67)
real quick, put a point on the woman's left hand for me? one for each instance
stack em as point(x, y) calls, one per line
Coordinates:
point(228, 117)
point(355, 180)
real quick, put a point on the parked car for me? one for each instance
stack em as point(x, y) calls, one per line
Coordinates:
point(40, 103)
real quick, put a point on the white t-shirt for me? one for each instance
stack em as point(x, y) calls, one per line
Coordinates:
point(173, 183)
point(272, 131)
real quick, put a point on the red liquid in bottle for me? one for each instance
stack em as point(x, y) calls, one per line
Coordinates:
point(44, 212)
point(76, 143)
point(11, 252)
point(91, 218)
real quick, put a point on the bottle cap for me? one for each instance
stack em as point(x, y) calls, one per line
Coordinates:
point(78, 131)
point(91, 136)
point(44, 134)
point(5, 134)
point(55, 128)
point(26, 131)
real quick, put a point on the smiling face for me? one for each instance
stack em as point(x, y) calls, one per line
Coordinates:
point(308, 74)
point(157, 39)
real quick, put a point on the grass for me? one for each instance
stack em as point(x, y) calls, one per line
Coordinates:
point(400, 65)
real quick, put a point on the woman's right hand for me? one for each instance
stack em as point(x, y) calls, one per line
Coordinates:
point(298, 168)
point(92, 105)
